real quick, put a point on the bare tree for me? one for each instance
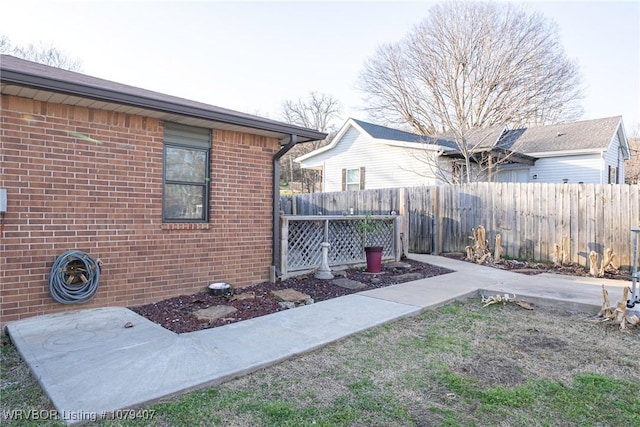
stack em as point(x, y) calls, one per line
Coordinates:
point(41, 54)
point(472, 65)
point(632, 166)
point(316, 111)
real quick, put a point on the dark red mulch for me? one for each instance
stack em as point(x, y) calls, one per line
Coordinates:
point(176, 315)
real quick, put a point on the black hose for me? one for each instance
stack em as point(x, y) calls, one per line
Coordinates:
point(74, 283)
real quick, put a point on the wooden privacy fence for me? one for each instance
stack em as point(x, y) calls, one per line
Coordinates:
point(530, 217)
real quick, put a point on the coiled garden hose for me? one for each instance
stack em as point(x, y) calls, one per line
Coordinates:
point(74, 278)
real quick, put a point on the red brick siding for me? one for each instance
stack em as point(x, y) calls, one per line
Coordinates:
point(91, 180)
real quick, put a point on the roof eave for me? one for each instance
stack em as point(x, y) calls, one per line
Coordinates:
point(97, 93)
point(565, 152)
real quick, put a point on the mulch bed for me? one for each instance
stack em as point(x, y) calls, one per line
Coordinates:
point(176, 314)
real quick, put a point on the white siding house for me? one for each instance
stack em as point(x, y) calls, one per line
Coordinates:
point(360, 158)
point(368, 156)
point(589, 151)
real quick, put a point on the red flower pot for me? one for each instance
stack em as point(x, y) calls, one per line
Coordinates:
point(374, 259)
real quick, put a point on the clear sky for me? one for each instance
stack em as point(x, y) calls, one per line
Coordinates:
point(251, 56)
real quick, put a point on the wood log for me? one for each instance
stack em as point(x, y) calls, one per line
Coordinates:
point(483, 258)
point(606, 310)
point(593, 263)
point(621, 309)
point(608, 261)
point(498, 249)
point(557, 255)
point(566, 258)
point(619, 313)
point(481, 240)
point(470, 253)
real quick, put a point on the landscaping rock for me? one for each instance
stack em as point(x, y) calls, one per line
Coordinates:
point(243, 296)
point(396, 265)
point(287, 304)
point(290, 295)
point(348, 284)
point(215, 312)
point(409, 277)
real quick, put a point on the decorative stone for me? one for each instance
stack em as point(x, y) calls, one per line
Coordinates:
point(287, 304)
point(396, 265)
point(290, 295)
point(214, 312)
point(348, 284)
point(340, 273)
point(243, 296)
point(409, 277)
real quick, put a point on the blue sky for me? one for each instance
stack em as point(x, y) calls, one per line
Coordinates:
point(251, 56)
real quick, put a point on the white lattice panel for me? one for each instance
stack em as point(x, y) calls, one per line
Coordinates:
point(305, 234)
point(304, 244)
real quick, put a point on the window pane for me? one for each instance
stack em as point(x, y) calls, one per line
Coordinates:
point(184, 201)
point(353, 187)
point(353, 176)
point(187, 165)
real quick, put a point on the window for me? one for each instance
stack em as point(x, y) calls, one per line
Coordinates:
point(353, 179)
point(613, 175)
point(459, 172)
point(186, 174)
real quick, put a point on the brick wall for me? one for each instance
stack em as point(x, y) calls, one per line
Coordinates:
point(91, 180)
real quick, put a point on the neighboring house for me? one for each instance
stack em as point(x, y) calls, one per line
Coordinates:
point(588, 151)
point(170, 194)
point(368, 156)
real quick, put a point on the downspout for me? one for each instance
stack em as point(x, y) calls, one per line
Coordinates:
point(274, 270)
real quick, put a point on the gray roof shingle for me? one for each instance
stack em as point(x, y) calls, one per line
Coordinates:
point(575, 136)
point(583, 135)
point(383, 132)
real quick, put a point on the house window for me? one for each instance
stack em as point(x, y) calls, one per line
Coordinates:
point(459, 172)
point(613, 175)
point(353, 179)
point(186, 174)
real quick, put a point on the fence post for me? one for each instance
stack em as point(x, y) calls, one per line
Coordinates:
point(635, 293)
point(403, 206)
point(398, 231)
point(436, 221)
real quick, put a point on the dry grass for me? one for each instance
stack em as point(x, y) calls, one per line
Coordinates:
point(460, 365)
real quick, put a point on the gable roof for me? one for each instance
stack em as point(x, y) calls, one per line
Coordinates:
point(390, 134)
point(382, 132)
point(45, 83)
point(377, 132)
point(560, 139)
point(582, 136)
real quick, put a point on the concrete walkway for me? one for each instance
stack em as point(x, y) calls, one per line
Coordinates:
point(91, 366)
